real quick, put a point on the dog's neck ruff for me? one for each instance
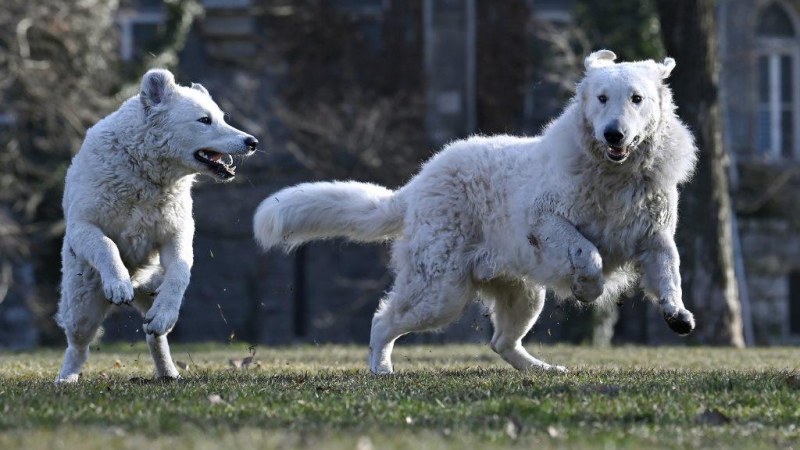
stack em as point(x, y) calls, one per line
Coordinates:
point(150, 164)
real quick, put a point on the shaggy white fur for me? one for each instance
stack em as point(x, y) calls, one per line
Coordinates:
point(583, 209)
point(128, 212)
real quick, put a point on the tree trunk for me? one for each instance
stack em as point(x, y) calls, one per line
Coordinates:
point(704, 232)
point(503, 54)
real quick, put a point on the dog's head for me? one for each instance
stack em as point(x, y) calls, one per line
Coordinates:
point(187, 127)
point(623, 103)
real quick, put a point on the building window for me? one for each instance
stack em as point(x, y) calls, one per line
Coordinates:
point(777, 71)
point(139, 30)
point(794, 303)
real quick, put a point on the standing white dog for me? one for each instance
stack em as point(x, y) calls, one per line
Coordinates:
point(128, 211)
point(583, 209)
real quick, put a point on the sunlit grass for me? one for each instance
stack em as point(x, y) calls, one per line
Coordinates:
point(441, 397)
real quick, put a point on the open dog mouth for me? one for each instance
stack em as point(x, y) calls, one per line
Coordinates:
point(617, 154)
point(219, 163)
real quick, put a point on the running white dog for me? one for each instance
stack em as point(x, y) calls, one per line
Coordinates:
point(583, 209)
point(128, 212)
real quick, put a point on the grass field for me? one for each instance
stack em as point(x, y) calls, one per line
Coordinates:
point(440, 397)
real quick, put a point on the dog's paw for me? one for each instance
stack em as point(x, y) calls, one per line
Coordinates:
point(382, 371)
point(68, 379)
point(541, 366)
point(587, 289)
point(682, 322)
point(587, 279)
point(381, 368)
point(118, 291)
point(161, 318)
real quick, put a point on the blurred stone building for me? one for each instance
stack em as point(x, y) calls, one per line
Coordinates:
point(242, 51)
point(328, 291)
point(325, 292)
point(760, 81)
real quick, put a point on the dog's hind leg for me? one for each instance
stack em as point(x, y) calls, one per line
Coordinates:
point(80, 313)
point(159, 350)
point(516, 306)
point(400, 314)
point(418, 302)
point(382, 336)
point(145, 282)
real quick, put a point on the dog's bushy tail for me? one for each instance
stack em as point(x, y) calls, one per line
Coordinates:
point(361, 212)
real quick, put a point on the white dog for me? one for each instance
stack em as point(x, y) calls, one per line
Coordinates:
point(128, 212)
point(582, 209)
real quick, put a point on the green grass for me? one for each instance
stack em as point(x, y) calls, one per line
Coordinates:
point(440, 397)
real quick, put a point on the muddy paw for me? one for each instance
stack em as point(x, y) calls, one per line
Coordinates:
point(682, 322)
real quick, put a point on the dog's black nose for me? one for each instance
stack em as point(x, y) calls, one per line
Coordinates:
point(251, 143)
point(613, 136)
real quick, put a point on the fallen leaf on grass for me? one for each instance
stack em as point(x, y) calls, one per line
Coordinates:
point(243, 363)
point(215, 399)
point(793, 381)
point(513, 427)
point(117, 364)
point(712, 417)
point(182, 365)
point(116, 431)
point(364, 443)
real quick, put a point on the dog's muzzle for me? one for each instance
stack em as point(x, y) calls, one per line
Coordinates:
point(221, 164)
point(619, 153)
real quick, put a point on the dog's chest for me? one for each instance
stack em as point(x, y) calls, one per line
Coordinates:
point(617, 219)
point(144, 225)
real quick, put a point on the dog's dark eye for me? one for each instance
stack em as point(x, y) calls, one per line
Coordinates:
point(602, 98)
point(636, 99)
point(206, 120)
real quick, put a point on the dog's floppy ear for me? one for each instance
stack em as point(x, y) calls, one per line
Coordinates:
point(201, 88)
point(158, 86)
point(666, 67)
point(600, 58)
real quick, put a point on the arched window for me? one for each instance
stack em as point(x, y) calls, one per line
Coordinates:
point(778, 100)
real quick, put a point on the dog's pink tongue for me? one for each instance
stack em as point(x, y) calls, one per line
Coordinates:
point(215, 157)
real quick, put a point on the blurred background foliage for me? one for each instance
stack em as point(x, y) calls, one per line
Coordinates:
point(335, 89)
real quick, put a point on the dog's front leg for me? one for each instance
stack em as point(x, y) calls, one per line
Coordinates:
point(88, 241)
point(661, 279)
point(176, 257)
point(566, 252)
